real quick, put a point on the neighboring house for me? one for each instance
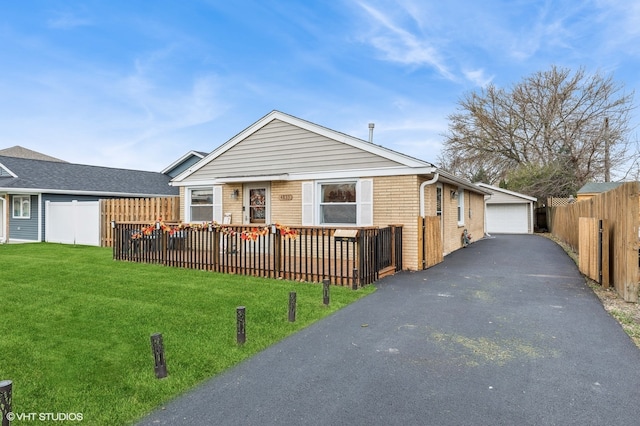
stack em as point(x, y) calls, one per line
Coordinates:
point(591, 189)
point(21, 152)
point(286, 170)
point(509, 212)
point(183, 163)
point(26, 185)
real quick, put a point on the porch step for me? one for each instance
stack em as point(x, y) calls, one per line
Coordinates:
point(389, 270)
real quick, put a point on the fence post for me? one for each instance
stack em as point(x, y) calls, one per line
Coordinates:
point(325, 292)
point(241, 335)
point(157, 348)
point(5, 401)
point(354, 282)
point(292, 306)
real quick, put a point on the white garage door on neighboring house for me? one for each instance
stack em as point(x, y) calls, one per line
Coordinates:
point(507, 218)
point(75, 222)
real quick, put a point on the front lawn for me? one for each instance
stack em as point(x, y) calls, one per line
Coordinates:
point(75, 328)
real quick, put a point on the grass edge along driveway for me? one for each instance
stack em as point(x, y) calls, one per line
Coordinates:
point(76, 326)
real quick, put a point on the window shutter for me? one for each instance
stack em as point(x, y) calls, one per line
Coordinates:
point(307, 203)
point(365, 203)
point(217, 204)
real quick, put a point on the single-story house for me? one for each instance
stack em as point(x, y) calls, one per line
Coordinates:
point(591, 189)
point(508, 212)
point(283, 169)
point(28, 184)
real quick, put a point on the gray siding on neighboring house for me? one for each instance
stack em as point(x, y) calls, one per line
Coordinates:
point(183, 166)
point(280, 147)
point(24, 229)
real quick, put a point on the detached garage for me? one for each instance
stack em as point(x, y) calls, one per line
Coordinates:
point(508, 212)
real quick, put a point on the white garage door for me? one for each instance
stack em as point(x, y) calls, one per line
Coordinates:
point(75, 222)
point(507, 219)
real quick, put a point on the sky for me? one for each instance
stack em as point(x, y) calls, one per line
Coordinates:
point(138, 84)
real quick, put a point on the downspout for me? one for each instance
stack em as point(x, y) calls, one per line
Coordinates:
point(431, 181)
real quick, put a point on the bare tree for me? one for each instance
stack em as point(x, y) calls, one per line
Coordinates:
point(552, 120)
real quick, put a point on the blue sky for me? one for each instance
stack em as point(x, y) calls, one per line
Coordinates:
point(136, 84)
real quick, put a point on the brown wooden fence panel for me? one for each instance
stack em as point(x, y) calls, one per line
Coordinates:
point(136, 210)
point(314, 254)
point(620, 209)
point(430, 241)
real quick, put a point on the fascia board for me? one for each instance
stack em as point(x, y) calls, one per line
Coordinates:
point(506, 191)
point(339, 174)
point(451, 179)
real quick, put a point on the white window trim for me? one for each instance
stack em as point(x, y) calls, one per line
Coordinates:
point(311, 202)
point(22, 213)
point(216, 207)
point(460, 207)
point(319, 203)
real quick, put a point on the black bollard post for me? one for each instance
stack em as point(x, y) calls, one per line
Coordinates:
point(292, 306)
point(5, 401)
point(241, 336)
point(354, 284)
point(157, 347)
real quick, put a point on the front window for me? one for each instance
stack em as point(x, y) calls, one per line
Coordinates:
point(21, 206)
point(338, 203)
point(202, 205)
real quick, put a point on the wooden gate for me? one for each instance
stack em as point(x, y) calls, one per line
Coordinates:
point(430, 250)
point(593, 248)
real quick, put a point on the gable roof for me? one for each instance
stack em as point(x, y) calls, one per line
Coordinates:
point(21, 152)
point(384, 160)
point(23, 175)
point(598, 187)
point(187, 159)
point(495, 189)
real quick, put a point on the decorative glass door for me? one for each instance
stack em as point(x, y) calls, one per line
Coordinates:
point(256, 204)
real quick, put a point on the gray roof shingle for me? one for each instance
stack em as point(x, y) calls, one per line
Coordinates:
point(60, 177)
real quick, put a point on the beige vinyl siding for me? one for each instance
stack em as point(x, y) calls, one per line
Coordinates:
point(280, 147)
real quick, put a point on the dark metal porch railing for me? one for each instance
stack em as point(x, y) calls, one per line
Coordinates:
point(314, 254)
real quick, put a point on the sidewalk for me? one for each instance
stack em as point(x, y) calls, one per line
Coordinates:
point(503, 332)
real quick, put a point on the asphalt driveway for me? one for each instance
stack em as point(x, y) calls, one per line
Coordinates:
point(503, 332)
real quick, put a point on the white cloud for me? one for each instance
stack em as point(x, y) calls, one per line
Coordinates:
point(398, 44)
point(478, 77)
point(67, 20)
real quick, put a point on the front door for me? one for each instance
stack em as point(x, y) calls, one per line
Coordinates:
point(256, 204)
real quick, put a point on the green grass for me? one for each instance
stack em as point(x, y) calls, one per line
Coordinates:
point(75, 328)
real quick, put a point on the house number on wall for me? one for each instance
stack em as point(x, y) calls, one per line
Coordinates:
point(286, 197)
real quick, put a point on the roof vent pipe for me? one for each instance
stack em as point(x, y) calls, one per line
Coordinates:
point(371, 126)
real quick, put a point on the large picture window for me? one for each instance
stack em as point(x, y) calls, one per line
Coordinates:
point(21, 206)
point(338, 203)
point(201, 205)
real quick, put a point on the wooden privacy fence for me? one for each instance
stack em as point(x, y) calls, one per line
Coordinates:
point(146, 210)
point(354, 258)
point(430, 250)
point(619, 209)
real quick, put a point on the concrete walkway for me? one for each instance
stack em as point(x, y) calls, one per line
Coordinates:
point(503, 332)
